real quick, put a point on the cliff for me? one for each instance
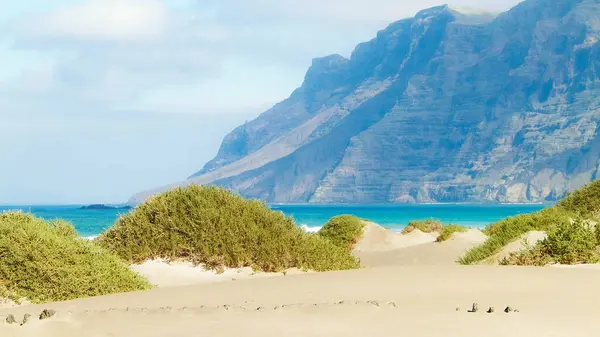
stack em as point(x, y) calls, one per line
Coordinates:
point(448, 106)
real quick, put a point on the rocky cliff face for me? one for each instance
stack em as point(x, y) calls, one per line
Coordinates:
point(448, 106)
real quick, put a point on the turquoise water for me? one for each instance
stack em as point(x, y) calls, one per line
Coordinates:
point(92, 222)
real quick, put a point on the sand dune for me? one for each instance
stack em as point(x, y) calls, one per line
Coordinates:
point(379, 239)
point(472, 235)
point(380, 247)
point(411, 301)
point(164, 274)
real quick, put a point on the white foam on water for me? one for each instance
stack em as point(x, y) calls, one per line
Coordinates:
point(310, 229)
point(91, 237)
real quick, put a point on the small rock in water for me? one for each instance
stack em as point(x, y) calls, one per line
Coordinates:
point(475, 308)
point(508, 310)
point(490, 310)
point(26, 319)
point(10, 319)
point(457, 308)
point(47, 313)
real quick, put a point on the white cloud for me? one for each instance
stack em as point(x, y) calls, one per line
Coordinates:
point(153, 55)
point(104, 20)
point(343, 12)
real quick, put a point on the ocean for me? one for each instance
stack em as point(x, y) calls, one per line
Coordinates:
point(90, 223)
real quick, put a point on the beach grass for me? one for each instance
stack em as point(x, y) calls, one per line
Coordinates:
point(425, 226)
point(584, 202)
point(447, 232)
point(46, 261)
point(212, 226)
point(506, 231)
point(434, 226)
point(563, 222)
point(568, 243)
point(343, 231)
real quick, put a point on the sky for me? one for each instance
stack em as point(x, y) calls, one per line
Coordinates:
point(100, 99)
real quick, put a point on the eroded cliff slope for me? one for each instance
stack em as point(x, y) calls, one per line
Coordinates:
point(448, 106)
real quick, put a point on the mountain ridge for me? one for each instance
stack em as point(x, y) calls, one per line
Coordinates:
point(435, 108)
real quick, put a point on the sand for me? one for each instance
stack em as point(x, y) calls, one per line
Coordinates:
point(163, 274)
point(6, 303)
point(379, 239)
point(414, 249)
point(407, 301)
point(409, 287)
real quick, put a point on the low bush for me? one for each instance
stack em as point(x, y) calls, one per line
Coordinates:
point(505, 231)
point(425, 226)
point(209, 225)
point(343, 231)
point(584, 202)
point(45, 261)
point(569, 243)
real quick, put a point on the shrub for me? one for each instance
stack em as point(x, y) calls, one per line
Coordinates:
point(532, 256)
point(447, 232)
point(569, 243)
point(213, 226)
point(584, 202)
point(425, 226)
point(343, 231)
point(505, 231)
point(45, 261)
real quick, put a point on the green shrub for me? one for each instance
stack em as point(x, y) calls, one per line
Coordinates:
point(343, 231)
point(425, 226)
point(584, 202)
point(213, 226)
point(568, 243)
point(571, 243)
point(45, 261)
point(505, 231)
point(447, 232)
point(532, 256)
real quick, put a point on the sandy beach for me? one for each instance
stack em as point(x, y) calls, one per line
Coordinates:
point(387, 301)
point(409, 286)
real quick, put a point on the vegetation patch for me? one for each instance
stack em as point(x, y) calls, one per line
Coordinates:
point(343, 231)
point(425, 226)
point(46, 261)
point(584, 202)
point(566, 219)
point(447, 232)
point(569, 243)
point(209, 225)
point(506, 231)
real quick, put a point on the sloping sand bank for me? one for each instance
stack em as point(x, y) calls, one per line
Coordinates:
point(416, 248)
point(163, 274)
point(379, 239)
point(398, 301)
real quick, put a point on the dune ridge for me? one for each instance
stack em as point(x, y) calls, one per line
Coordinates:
point(381, 247)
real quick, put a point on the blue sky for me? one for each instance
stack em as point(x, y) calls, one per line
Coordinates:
point(100, 99)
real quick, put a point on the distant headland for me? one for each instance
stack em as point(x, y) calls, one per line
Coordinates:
point(103, 207)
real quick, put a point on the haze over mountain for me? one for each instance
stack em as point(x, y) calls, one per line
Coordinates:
point(452, 105)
